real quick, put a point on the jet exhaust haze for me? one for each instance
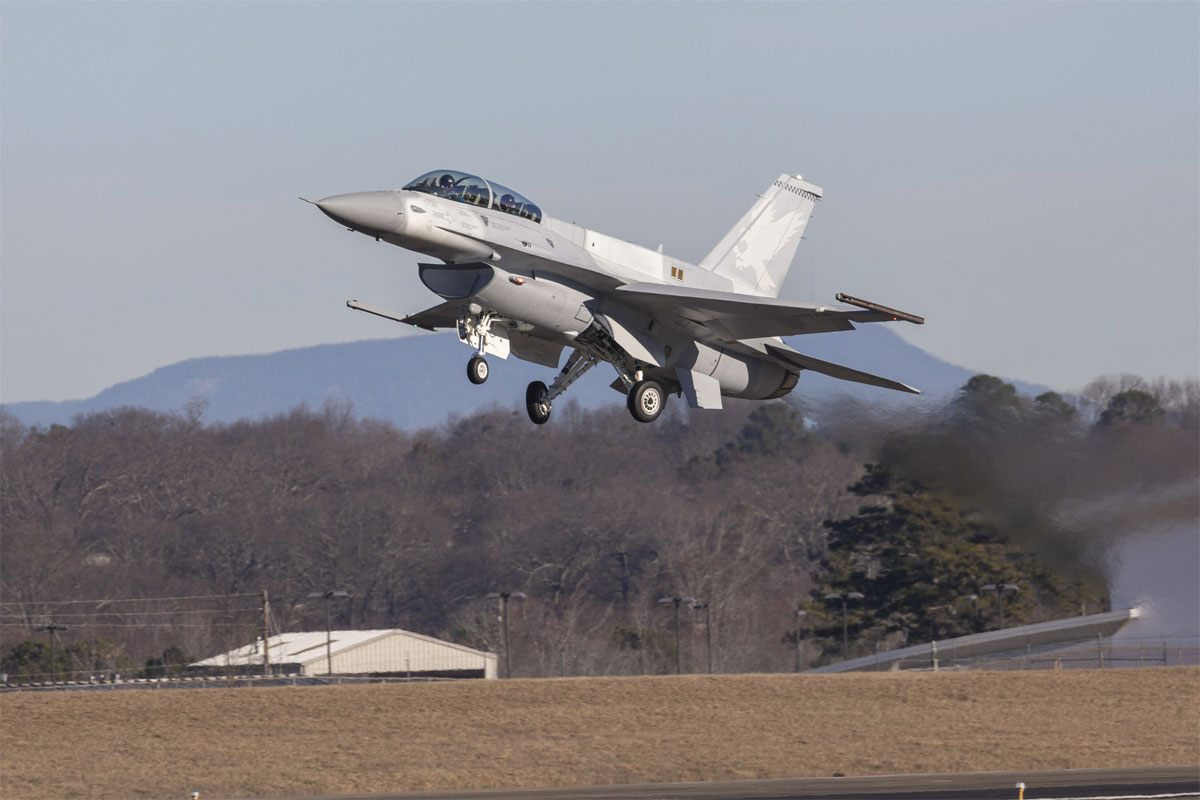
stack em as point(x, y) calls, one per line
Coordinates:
point(1118, 501)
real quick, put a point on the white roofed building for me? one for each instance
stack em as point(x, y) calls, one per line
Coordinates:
point(391, 652)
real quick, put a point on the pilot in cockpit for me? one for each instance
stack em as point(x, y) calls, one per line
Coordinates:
point(446, 183)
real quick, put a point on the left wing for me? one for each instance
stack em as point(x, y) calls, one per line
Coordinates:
point(440, 316)
point(729, 316)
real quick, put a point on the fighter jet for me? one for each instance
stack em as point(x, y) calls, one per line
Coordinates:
point(515, 281)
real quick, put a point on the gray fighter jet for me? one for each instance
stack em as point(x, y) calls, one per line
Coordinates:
point(515, 281)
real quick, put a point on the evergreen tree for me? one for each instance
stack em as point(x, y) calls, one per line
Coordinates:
point(921, 562)
point(1131, 407)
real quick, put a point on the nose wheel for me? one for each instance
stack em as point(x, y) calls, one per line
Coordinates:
point(646, 400)
point(477, 370)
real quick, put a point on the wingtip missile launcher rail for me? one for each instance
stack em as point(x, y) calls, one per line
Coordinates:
point(882, 309)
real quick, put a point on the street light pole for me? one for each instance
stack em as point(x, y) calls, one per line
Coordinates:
point(800, 615)
point(1001, 590)
point(844, 596)
point(676, 601)
point(329, 594)
point(707, 632)
point(503, 597)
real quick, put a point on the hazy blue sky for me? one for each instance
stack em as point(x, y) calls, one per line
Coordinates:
point(1026, 175)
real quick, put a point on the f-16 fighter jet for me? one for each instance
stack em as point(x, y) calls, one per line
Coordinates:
point(515, 281)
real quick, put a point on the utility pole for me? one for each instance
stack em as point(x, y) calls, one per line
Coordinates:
point(266, 635)
point(676, 601)
point(53, 629)
point(800, 615)
point(707, 632)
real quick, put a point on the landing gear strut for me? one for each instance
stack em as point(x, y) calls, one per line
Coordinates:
point(538, 396)
point(477, 370)
point(646, 400)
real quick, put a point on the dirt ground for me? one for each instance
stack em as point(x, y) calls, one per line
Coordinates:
point(581, 731)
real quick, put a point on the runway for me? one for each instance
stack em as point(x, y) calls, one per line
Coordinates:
point(1125, 783)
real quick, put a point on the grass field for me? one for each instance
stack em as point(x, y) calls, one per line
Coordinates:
point(475, 734)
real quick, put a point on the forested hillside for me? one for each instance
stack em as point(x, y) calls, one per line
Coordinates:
point(755, 511)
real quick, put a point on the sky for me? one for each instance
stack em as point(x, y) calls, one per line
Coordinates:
point(1024, 175)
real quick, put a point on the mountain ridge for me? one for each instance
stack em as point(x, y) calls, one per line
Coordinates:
point(417, 381)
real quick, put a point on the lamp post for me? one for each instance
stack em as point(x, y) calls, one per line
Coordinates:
point(698, 606)
point(1001, 589)
point(53, 629)
point(974, 598)
point(844, 597)
point(800, 615)
point(329, 594)
point(662, 601)
point(503, 598)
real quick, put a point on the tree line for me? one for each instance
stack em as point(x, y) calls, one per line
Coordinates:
point(757, 513)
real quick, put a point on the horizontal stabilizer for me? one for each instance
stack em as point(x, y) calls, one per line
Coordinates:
point(835, 370)
point(440, 316)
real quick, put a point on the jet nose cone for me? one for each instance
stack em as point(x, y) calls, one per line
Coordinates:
point(369, 212)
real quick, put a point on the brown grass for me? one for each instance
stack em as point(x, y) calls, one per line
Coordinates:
point(378, 738)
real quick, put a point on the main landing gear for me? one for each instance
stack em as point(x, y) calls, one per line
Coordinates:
point(537, 402)
point(645, 400)
point(539, 396)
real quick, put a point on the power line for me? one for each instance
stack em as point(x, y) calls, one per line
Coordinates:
point(126, 599)
point(102, 625)
point(92, 614)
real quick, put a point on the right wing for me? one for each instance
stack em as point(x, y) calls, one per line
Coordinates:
point(523, 345)
point(790, 356)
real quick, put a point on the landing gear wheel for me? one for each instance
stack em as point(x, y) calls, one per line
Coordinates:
point(646, 400)
point(536, 403)
point(477, 370)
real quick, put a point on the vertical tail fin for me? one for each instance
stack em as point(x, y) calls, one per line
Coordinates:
point(758, 250)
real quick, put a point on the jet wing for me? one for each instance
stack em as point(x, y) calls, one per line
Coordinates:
point(729, 316)
point(440, 316)
point(790, 356)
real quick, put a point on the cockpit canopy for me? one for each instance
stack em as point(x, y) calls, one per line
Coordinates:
point(473, 190)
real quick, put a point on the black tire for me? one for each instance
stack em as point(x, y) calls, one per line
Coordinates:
point(535, 403)
point(646, 400)
point(477, 370)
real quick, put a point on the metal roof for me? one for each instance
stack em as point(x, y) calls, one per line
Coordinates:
point(308, 647)
point(1023, 638)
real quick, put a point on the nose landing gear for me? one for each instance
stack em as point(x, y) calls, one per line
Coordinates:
point(477, 370)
